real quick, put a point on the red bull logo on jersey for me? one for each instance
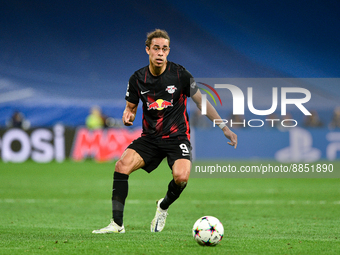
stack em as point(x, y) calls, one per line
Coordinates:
point(159, 104)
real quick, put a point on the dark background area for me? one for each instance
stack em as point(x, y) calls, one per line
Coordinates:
point(61, 57)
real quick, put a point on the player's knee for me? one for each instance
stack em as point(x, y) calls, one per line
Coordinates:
point(181, 172)
point(121, 167)
point(181, 181)
point(183, 185)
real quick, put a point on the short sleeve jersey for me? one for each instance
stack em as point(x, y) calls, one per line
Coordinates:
point(164, 99)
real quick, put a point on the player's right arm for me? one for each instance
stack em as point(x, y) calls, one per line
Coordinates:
point(129, 113)
point(132, 100)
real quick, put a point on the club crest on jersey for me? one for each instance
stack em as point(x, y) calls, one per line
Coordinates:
point(171, 89)
point(159, 104)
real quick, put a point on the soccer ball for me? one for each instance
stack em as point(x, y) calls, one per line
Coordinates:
point(208, 231)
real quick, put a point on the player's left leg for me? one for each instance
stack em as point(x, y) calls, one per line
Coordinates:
point(180, 172)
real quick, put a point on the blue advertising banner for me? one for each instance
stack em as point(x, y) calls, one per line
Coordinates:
point(291, 145)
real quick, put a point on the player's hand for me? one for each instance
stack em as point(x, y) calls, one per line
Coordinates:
point(128, 118)
point(231, 136)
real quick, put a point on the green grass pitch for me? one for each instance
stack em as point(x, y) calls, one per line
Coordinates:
point(52, 209)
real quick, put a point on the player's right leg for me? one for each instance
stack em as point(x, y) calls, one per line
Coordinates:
point(129, 162)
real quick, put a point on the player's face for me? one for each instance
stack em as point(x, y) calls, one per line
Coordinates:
point(158, 52)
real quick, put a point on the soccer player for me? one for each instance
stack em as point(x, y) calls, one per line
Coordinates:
point(163, 88)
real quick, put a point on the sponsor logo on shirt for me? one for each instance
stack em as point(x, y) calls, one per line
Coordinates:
point(159, 104)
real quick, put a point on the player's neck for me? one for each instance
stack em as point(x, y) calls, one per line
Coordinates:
point(156, 71)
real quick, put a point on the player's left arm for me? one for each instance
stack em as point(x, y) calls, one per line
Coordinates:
point(213, 115)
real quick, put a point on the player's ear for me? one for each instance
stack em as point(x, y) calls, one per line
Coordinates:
point(147, 49)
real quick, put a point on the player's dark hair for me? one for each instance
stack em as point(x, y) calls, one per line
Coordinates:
point(158, 33)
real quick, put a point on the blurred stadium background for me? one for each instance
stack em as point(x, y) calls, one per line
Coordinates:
point(60, 58)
